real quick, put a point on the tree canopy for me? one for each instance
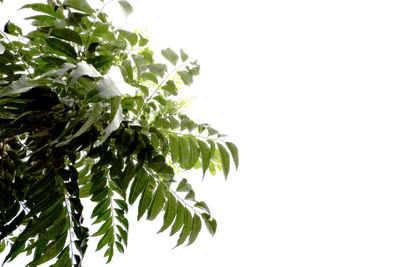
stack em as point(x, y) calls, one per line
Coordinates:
point(70, 130)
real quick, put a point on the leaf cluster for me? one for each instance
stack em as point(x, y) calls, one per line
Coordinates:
point(70, 130)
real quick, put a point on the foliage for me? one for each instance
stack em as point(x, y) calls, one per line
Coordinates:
point(69, 130)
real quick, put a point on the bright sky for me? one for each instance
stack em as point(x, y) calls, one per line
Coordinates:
point(309, 91)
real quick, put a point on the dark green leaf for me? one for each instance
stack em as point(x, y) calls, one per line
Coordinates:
point(190, 196)
point(234, 152)
point(225, 160)
point(174, 147)
point(105, 239)
point(66, 34)
point(51, 251)
point(195, 229)
point(63, 259)
point(211, 224)
point(170, 211)
point(194, 152)
point(202, 205)
point(146, 198)
point(104, 228)
point(184, 152)
point(62, 47)
point(157, 203)
point(138, 185)
point(187, 227)
point(101, 207)
point(205, 155)
point(180, 216)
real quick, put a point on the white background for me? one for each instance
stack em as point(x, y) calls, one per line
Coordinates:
point(309, 91)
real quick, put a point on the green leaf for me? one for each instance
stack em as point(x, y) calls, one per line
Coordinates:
point(62, 47)
point(184, 56)
point(205, 155)
point(80, 5)
point(146, 198)
point(195, 229)
point(234, 152)
point(63, 259)
point(138, 185)
point(101, 207)
point(202, 205)
point(120, 247)
point(103, 229)
point(130, 36)
point(142, 41)
point(170, 87)
point(170, 211)
point(187, 227)
point(66, 34)
point(12, 29)
point(211, 224)
point(194, 152)
point(170, 55)
point(45, 8)
point(225, 160)
point(51, 251)
point(105, 239)
point(174, 147)
point(186, 77)
point(190, 196)
point(42, 20)
point(126, 7)
point(157, 203)
point(184, 186)
point(184, 152)
point(160, 100)
point(158, 69)
point(148, 76)
point(2, 246)
point(124, 234)
point(180, 216)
